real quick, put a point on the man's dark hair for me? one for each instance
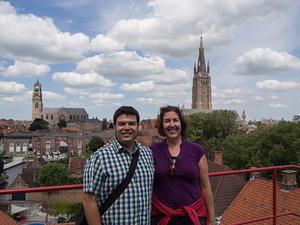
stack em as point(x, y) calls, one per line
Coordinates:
point(127, 110)
point(163, 111)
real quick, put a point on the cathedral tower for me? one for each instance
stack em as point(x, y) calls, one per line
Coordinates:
point(37, 101)
point(201, 92)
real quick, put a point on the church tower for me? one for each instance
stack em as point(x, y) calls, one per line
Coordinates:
point(201, 92)
point(37, 101)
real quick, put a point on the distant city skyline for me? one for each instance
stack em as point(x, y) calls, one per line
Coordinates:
point(99, 55)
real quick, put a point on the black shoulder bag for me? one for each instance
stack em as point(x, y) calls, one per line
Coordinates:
point(81, 219)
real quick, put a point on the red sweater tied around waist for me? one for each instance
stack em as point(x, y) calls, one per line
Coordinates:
point(197, 209)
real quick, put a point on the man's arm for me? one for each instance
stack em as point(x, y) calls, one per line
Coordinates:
point(91, 209)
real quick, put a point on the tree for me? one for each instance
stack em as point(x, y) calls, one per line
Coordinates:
point(95, 143)
point(104, 124)
point(212, 126)
point(39, 124)
point(70, 209)
point(53, 174)
point(62, 123)
point(276, 146)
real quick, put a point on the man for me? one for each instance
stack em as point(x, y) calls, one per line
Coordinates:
point(107, 168)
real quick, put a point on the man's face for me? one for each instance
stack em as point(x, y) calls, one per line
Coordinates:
point(126, 129)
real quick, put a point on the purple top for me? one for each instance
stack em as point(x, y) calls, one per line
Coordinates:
point(182, 189)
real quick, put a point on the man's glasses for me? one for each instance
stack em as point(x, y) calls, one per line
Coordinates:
point(172, 166)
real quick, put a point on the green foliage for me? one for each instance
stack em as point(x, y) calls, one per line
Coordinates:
point(62, 123)
point(279, 145)
point(53, 174)
point(95, 143)
point(64, 161)
point(39, 124)
point(104, 124)
point(263, 147)
point(208, 128)
point(75, 180)
point(69, 209)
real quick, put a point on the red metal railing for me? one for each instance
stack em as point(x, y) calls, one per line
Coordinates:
point(273, 168)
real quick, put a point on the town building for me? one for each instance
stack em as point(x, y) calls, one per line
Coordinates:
point(74, 117)
point(45, 143)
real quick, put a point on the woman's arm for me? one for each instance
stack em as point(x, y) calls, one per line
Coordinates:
point(206, 189)
point(91, 209)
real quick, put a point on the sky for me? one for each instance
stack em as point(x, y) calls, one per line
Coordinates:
point(99, 55)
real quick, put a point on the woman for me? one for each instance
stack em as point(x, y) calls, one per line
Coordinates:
point(181, 175)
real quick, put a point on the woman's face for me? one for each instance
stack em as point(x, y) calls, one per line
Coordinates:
point(171, 125)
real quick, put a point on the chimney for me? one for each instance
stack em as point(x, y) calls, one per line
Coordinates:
point(289, 178)
point(218, 157)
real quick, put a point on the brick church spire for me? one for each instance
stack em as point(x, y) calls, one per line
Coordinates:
point(201, 92)
point(201, 59)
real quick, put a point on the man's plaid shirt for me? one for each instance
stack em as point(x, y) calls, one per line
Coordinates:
point(106, 169)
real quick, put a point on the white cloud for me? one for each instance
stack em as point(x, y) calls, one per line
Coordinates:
point(27, 37)
point(26, 69)
point(276, 85)
point(124, 64)
point(229, 93)
point(258, 99)
point(82, 81)
point(276, 106)
point(127, 64)
point(75, 91)
point(234, 101)
point(106, 96)
point(102, 43)
point(144, 86)
point(48, 95)
point(264, 61)
point(174, 27)
point(11, 88)
point(274, 97)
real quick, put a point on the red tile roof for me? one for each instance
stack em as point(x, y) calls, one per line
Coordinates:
point(255, 201)
point(5, 219)
point(224, 188)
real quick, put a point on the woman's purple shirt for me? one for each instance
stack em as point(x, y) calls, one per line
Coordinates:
point(182, 189)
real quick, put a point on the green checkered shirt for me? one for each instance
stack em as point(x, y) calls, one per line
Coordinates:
point(106, 169)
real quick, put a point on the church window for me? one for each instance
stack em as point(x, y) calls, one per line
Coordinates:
point(51, 117)
point(70, 117)
point(46, 116)
point(36, 105)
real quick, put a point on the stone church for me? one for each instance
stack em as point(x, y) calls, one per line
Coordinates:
point(75, 117)
point(201, 91)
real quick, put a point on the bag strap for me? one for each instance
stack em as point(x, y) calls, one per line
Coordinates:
point(120, 189)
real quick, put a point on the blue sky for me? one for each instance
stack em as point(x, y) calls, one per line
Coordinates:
point(103, 54)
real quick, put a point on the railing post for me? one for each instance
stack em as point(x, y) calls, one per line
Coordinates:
point(274, 196)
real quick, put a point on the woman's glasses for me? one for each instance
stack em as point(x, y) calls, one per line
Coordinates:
point(172, 166)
